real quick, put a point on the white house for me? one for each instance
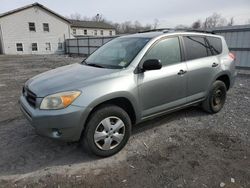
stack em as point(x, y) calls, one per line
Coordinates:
point(91, 28)
point(35, 29)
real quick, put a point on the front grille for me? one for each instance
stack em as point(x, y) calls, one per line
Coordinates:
point(30, 97)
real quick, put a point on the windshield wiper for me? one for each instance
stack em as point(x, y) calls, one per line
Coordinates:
point(84, 62)
point(94, 65)
point(101, 66)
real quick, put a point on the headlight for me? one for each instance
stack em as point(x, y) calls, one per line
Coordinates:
point(59, 100)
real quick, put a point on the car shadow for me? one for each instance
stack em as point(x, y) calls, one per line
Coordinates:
point(193, 111)
point(23, 151)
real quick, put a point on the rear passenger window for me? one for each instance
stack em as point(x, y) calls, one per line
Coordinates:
point(167, 51)
point(196, 47)
point(215, 45)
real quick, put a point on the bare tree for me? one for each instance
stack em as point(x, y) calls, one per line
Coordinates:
point(147, 27)
point(231, 21)
point(98, 18)
point(215, 20)
point(137, 25)
point(126, 27)
point(181, 26)
point(85, 18)
point(155, 24)
point(197, 24)
point(121, 28)
point(117, 26)
point(76, 16)
point(130, 27)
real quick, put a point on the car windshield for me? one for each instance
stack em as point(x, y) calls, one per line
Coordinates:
point(117, 53)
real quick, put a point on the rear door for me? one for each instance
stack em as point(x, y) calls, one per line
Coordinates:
point(163, 89)
point(201, 66)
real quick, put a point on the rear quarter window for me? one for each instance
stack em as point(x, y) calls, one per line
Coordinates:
point(195, 47)
point(215, 45)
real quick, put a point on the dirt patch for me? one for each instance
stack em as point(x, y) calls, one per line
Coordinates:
point(188, 148)
point(224, 141)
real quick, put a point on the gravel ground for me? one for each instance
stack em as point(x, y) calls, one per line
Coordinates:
point(188, 148)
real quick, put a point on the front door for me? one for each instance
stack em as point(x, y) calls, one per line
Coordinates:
point(163, 89)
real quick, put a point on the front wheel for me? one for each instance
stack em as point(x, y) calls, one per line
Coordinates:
point(216, 97)
point(107, 131)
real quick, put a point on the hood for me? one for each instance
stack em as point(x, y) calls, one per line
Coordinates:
point(70, 77)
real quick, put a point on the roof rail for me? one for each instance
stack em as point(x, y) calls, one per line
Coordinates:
point(155, 30)
point(194, 30)
point(167, 30)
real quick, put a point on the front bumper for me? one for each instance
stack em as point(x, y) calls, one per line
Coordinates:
point(64, 124)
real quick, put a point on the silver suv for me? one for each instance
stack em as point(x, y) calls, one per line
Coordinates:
point(129, 80)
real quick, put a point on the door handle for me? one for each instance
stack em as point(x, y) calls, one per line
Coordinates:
point(181, 72)
point(215, 64)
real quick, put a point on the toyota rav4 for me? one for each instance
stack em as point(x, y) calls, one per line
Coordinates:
point(126, 81)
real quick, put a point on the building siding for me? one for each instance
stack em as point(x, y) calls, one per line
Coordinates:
point(91, 32)
point(15, 29)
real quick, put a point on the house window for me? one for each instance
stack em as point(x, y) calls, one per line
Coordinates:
point(60, 46)
point(19, 47)
point(74, 31)
point(101, 32)
point(32, 26)
point(48, 46)
point(46, 27)
point(95, 32)
point(85, 32)
point(34, 46)
point(110, 33)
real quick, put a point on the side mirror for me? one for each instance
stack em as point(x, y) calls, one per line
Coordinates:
point(151, 64)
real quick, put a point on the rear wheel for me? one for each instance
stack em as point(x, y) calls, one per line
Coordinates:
point(107, 131)
point(216, 97)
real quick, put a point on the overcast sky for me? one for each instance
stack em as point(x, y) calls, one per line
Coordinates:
point(169, 12)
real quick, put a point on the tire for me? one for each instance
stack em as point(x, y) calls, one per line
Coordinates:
point(112, 125)
point(216, 98)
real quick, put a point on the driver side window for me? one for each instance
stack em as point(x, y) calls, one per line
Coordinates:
point(167, 51)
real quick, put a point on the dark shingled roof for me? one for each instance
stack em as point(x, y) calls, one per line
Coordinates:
point(90, 24)
point(33, 5)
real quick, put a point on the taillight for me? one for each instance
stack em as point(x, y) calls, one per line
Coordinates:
point(231, 55)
